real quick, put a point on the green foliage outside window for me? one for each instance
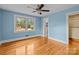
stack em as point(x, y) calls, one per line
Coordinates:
point(23, 24)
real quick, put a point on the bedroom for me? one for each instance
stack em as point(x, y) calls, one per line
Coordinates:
point(28, 29)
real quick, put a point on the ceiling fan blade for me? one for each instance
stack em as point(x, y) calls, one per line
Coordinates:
point(45, 10)
point(30, 7)
point(33, 11)
point(40, 7)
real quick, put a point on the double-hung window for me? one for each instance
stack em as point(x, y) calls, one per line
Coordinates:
point(23, 23)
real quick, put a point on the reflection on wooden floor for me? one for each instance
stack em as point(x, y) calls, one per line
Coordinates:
point(73, 46)
point(35, 46)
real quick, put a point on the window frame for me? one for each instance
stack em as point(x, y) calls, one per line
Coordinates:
point(26, 17)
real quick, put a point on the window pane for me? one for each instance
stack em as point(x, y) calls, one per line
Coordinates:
point(20, 24)
point(30, 24)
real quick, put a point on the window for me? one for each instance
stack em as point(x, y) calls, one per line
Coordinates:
point(24, 24)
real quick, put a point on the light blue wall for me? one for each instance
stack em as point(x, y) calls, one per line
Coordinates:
point(0, 24)
point(8, 26)
point(57, 26)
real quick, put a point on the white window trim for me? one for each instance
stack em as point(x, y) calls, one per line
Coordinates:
point(15, 16)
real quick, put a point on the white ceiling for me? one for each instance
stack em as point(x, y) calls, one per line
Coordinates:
point(23, 8)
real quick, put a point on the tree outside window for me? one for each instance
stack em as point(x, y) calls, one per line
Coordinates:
point(24, 24)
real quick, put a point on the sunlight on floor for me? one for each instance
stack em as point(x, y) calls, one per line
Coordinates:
point(30, 49)
point(20, 50)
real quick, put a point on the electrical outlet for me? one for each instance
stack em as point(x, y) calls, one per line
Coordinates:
point(26, 35)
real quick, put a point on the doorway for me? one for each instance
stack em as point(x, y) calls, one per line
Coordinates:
point(45, 27)
point(73, 20)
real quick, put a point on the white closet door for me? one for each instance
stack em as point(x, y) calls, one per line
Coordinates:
point(74, 26)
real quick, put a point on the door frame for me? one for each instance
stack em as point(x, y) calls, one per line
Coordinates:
point(67, 23)
point(44, 25)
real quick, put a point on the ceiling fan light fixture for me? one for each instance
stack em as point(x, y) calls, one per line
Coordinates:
point(39, 9)
point(40, 13)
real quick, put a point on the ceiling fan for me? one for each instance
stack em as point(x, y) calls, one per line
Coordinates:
point(39, 9)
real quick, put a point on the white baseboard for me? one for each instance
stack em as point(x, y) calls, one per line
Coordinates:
point(57, 40)
point(10, 40)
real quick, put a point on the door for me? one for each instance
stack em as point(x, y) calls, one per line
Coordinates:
point(74, 34)
point(74, 26)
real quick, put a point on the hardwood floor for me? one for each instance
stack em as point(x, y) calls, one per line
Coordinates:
point(35, 46)
point(73, 46)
